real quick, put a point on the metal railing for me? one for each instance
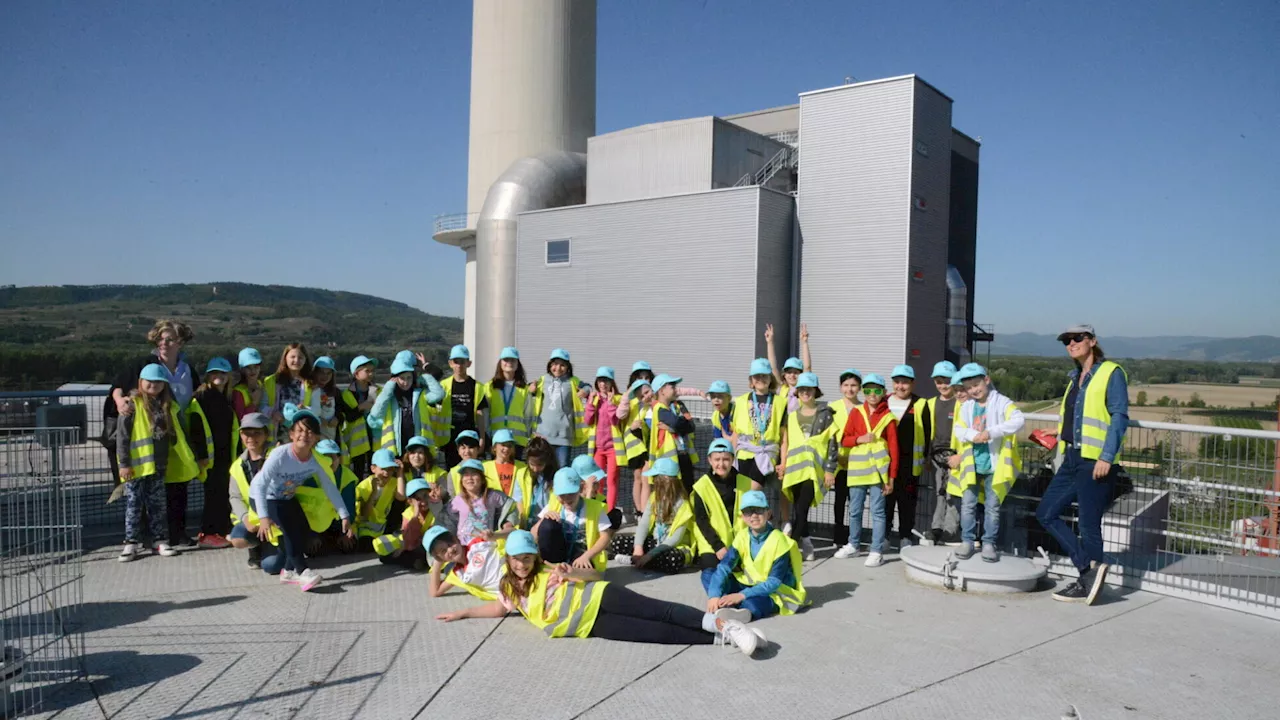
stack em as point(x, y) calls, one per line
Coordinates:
point(452, 221)
point(784, 158)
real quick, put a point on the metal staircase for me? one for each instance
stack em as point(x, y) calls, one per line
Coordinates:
point(787, 157)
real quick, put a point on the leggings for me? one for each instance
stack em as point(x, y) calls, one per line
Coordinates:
point(840, 528)
point(293, 524)
point(216, 517)
point(905, 493)
point(670, 561)
point(608, 460)
point(176, 507)
point(631, 617)
point(801, 499)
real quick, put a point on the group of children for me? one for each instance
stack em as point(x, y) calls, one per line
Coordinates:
point(400, 470)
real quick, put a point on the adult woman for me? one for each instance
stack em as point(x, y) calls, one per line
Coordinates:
point(1094, 416)
point(169, 337)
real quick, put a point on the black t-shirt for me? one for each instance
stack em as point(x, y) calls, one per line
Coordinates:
point(463, 395)
point(1069, 416)
point(404, 403)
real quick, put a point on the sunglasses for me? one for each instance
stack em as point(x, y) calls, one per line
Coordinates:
point(872, 391)
point(1078, 337)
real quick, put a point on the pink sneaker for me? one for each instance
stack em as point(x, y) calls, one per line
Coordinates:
point(289, 577)
point(308, 579)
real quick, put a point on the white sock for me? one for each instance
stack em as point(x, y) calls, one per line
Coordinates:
point(709, 622)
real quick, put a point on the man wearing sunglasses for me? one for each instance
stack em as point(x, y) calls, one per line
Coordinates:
point(1094, 416)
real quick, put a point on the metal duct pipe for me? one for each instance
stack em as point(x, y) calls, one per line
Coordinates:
point(957, 316)
point(553, 179)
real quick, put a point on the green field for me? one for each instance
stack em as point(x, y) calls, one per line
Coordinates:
point(1236, 422)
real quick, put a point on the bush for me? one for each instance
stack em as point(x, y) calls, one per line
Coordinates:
point(1142, 398)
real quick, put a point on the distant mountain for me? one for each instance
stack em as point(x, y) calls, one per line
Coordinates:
point(1259, 348)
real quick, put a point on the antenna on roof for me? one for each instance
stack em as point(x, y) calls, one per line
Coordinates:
point(849, 79)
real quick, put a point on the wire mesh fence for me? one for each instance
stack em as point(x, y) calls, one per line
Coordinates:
point(41, 575)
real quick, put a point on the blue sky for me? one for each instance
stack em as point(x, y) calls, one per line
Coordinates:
point(1129, 171)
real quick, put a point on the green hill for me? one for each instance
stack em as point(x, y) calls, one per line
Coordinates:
point(50, 335)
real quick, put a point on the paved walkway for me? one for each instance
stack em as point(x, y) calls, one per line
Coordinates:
point(203, 636)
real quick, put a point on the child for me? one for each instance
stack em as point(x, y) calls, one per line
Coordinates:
point(591, 475)
point(285, 387)
point(871, 434)
point(946, 519)
point(247, 395)
point(475, 567)
point(812, 456)
point(244, 535)
point(214, 434)
point(356, 402)
point(153, 453)
point(722, 411)
point(987, 458)
point(663, 540)
point(403, 408)
point(533, 491)
point(464, 399)
point(850, 386)
point(758, 419)
point(638, 422)
point(716, 497)
point(558, 407)
point(672, 433)
point(606, 444)
point(273, 491)
point(320, 394)
point(792, 368)
point(574, 602)
point(508, 399)
point(418, 463)
point(761, 574)
point(912, 414)
point(573, 529)
point(501, 472)
point(374, 496)
point(406, 548)
point(468, 442)
point(482, 511)
point(320, 516)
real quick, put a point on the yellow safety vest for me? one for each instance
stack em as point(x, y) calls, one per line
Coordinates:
point(375, 522)
point(667, 444)
point(1097, 419)
point(755, 570)
point(442, 425)
point(422, 421)
point(805, 457)
point(240, 474)
point(195, 409)
point(1006, 462)
point(917, 441)
point(315, 503)
point(842, 417)
point(181, 465)
point(869, 464)
point(744, 428)
point(726, 526)
point(354, 434)
point(591, 510)
point(509, 417)
point(933, 417)
point(581, 433)
point(573, 608)
point(635, 447)
point(492, 480)
point(683, 519)
point(619, 439)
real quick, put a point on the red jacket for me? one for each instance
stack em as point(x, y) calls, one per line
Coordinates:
point(854, 428)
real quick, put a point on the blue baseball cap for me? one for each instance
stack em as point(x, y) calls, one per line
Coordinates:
point(753, 499)
point(328, 447)
point(637, 385)
point(153, 372)
point(850, 372)
point(503, 436)
point(294, 414)
point(470, 435)
point(944, 369)
point(905, 371)
point(873, 379)
point(604, 371)
point(415, 486)
point(520, 542)
point(971, 370)
point(459, 352)
point(404, 362)
point(470, 465)
point(417, 441)
point(566, 482)
point(956, 380)
point(560, 354)
point(385, 459)
point(249, 356)
point(664, 379)
point(663, 466)
point(587, 468)
point(719, 445)
point(807, 379)
point(793, 363)
point(431, 535)
point(720, 386)
point(361, 360)
point(324, 362)
point(760, 366)
point(641, 365)
point(509, 353)
point(217, 365)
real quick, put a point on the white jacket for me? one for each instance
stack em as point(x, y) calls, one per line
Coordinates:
point(997, 426)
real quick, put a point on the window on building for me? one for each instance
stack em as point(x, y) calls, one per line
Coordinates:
point(557, 252)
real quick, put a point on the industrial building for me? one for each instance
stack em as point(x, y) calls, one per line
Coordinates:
point(853, 210)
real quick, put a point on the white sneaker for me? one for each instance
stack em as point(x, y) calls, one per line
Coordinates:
point(735, 614)
point(846, 551)
point(806, 548)
point(289, 577)
point(308, 579)
point(738, 635)
point(875, 559)
point(129, 552)
point(786, 529)
point(166, 550)
point(760, 634)
point(622, 560)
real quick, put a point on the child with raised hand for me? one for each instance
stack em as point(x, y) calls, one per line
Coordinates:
point(475, 567)
point(153, 452)
point(663, 540)
point(509, 406)
point(468, 447)
point(274, 488)
point(244, 534)
point(404, 406)
point(573, 529)
point(482, 511)
point(761, 574)
point(721, 411)
point(354, 402)
point(533, 491)
point(672, 433)
point(405, 547)
point(850, 387)
point(792, 368)
point(811, 436)
point(246, 396)
point(607, 444)
point(759, 417)
point(574, 602)
point(870, 433)
point(374, 497)
point(558, 406)
point(504, 472)
point(987, 459)
point(285, 387)
point(213, 435)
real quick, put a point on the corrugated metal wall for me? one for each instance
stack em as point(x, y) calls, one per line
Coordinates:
point(737, 152)
point(669, 280)
point(650, 161)
point(931, 190)
point(854, 210)
point(773, 276)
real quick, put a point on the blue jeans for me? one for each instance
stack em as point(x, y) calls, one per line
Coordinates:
point(857, 496)
point(761, 606)
point(1074, 482)
point(562, 455)
point(272, 560)
point(969, 511)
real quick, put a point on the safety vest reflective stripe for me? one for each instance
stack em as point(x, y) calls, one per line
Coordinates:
point(917, 446)
point(869, 463)
point(513, 417)
point(1006, 462)
point(755, 570)
point(587, 593)
point(745, 427)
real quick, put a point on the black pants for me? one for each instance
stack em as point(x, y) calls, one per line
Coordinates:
point(631, 617)
point(801, 500)
point(905, 493)
point(292, 520)
point(688, 475)
point(405, 559)
point(552, 546)
point(840, 526)
point(175, 495)
point(669, 561)
point(216, 517)
point(360, 465)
